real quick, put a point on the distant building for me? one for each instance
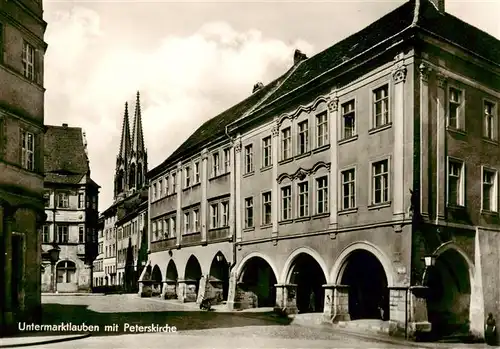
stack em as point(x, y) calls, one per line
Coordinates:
point(71, 205)
point(22, 50)
point(360, 184)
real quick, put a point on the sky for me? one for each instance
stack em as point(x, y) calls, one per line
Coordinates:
point(189, 60)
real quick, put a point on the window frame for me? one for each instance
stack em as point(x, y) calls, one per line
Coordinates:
point(248, 153)
point(27, 155)
point(372, 181)
point(326, 124)
point(461, 109)
point(354, 184)
point(29, 65)
point(326, 202)
point(494, 123)
point(269, 148)
point(286, 152)
point(494, 190)
point(290, 202)
point(266, 204)
point(306, 133)
point(343, 115)
point(461, 185)
point(246, 225)
point(373, 101)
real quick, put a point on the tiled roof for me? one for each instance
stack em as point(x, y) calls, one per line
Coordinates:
point(64, 154)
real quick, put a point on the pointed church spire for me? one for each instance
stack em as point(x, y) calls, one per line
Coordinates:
point(137, 134)
point(125, 140)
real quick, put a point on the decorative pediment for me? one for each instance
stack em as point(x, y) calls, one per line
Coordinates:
point(303, 108)
point(302, 173)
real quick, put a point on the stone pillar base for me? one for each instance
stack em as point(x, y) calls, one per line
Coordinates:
point(190, 294)
point(181, 290)
point(169, 289)
point(145, 288)
point(286, 299)
point(336, 306)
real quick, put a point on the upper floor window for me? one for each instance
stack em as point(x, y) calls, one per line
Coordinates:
point(266, 208)
point(196, 172)
point(303, 199)
point(28, 61)
point(348, 120)
point(248, 212)
point(81, 200)
point(224, 214)
point(249, 158)
point(381, 106)
point(214, 216)
point(321, 129)
point(286, 203)
point(456, 183)
point(45, 234)
point(266, 152)
point(196, 220)
point(46, 198)
point(28, 150)
point(322, 195)
point(490, 120)
point(380, 182)
point(81, 234)
point(154, 191)
point(174, 183)
point(348, 189)
point(227, 160)
point(303, 137)
point(489, 202)
point(62, 233)
point(286, 143)
point(62, 200)
point(187, 177)
point(167, 188)
point(94, 202)
point(455, 107)
point(187, 222)
point(215, 164)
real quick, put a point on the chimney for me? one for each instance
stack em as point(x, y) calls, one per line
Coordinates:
point(298, 57)
point(439, 5)
point(65, 125)
point(257, 87)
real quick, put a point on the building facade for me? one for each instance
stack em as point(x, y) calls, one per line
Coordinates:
point(22, 50)
point(125, 219)
point(347, 174)
point(98, 270)
point(71, 205)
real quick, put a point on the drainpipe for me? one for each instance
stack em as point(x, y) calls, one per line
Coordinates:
point(233, 165)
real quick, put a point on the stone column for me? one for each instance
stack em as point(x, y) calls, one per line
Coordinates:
point(146, 224)
point(237, 175)
point(181, 290)
point(169, 289)
point(178, 216)
point(286, 299)
point(203, 203)
point(231, 296)
point(340, 302)
point(418, 323)
point(424, 140)
point(399, 126)
point(8, 223)
point(232, 207)
point(440, 150)
point(202, 288)
point(333, 109)
point(275, 189)
point(398, 310)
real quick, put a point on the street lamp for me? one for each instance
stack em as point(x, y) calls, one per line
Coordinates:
point(429, 260)
point(54, 257)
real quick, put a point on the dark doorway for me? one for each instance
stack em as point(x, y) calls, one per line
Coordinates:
point(258, 279)
point(171, 271)
point(309, 278)
point(219, 277)
point(193, 273)
point(448, 304)
point(368, 292)
point(157, 280)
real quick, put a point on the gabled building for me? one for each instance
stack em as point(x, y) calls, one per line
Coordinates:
point(71, 205)
point(22, 50)
point(361, 184)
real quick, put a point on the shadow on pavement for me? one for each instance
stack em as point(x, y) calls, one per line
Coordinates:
point(124, 322)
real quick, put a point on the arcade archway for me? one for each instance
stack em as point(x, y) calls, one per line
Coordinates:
point(367, 281)
point(307, 274)
point(171, 281)
point(448, 303)
point(192, 278)
point(218, 281)
point(256, 286)
point(157, 280)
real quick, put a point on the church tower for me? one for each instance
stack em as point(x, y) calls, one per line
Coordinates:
point(122, 159)
point(138, 161)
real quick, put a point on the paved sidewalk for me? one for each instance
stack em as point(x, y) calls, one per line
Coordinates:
point(72, 294)
point(29, 340)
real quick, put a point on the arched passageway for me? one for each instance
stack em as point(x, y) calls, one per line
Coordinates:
point(157, 282)
point(171, 281)
point(367, 281)
point(192, 278)
point(256, 284)
point(448, 303)
point(218, 282)
point(307, 274)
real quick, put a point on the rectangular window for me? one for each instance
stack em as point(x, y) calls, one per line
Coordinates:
point(248, 212)
point(227, 160)
point(348, 120)
point(81, 200)
point(154, 191)
point(62, 200)
point(28, 61)
point(286, 143)
point(187, 223)
point(348, 189)
point(196, 220)
point(380, 182)
point(286, 203)
point(266, 152)
point(454, 106)
point(45, 234)
point(303, 137)
point(321, 129)
point(62, 234)
point(489, 121)
point(160, 188)
point(225, 214)
point(46, 198)
point(456, 183)
point(196, 172)
point(94, 202)
point(28, 150)
point(489, 190)
point(215, 164)
point(214, 216)
point(322, 195)
point(154, 229)
point(174, 183)
point(81, 234)
point(303, 198)
point(249, 158)
point(266, 208)
point(187, 177)
point(167, 183)
point(381, 106)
